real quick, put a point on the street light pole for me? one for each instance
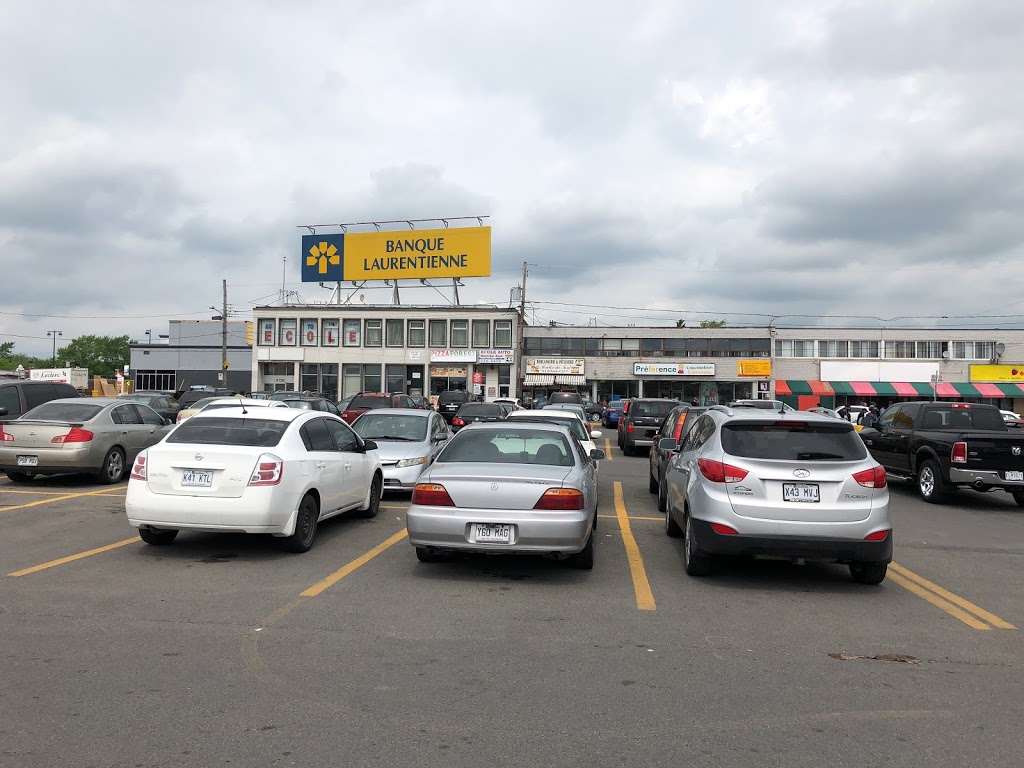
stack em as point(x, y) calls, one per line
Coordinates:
point(54, 334)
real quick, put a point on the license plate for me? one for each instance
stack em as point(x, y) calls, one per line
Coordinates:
point(1015, 475)
point(196, 478)
point(803, 493)
point(484, 533)
point(33, 461)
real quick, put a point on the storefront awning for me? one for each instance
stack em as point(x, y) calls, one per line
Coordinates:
point(538, 380)
point(908, 389)
point(966, 389)
point(799, 387)
point(1011, 389)
point(572, 380)
point(988, 390)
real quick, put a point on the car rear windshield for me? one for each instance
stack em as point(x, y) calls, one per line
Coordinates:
point(64, 411)
point(391, 426)
point(511, 446)
point(793, 441)
point(565, 397)
point(452, 397)
point(988, 419)
point(215, 430)
point(575, 425)
point(481, 409)
point(369, 402)
point(652, 408)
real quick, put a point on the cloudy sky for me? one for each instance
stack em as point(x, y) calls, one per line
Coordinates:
point(822, 162)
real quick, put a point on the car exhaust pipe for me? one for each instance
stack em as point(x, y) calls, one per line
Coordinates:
point(978, 485)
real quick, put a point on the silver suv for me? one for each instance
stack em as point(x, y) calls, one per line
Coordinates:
point(793, 486)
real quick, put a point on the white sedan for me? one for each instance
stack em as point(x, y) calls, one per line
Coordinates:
point(253, 470)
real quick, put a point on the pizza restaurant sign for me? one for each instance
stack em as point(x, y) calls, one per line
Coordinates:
point(673, 369)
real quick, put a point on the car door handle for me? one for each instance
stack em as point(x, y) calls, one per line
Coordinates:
point(348, 465)
point(321, 464)
point(124, 431)
point(869, 442)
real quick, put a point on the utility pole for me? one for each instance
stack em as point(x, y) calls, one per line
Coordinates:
point(224, 335)
point(522, 323)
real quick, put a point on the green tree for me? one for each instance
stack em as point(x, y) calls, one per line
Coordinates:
point(680, 323)
point(6, 349)
point(102, 355)
point(10, 360)
point(712, 323)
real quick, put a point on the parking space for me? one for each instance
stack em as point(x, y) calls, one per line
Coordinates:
point(356, 645)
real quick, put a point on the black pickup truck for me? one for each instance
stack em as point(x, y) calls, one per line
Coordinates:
point(946, 446)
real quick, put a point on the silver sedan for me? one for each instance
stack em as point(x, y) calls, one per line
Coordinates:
point(100, 436)
point(504, 488)
point(407, 442)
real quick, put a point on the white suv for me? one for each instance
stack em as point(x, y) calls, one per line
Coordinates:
point(792, 485)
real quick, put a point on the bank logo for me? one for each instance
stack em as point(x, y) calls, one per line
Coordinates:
point(322, 257)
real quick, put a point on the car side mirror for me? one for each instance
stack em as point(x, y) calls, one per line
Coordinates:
point(597, 454)
point(441, 437)
point(668, 444)
point(167, 422)
point(3, 411)
point(369, 445)
point(595, 434)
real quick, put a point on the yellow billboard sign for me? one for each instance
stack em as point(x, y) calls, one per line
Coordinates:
point(998, 373)
point(754, 368)
point(429, 253)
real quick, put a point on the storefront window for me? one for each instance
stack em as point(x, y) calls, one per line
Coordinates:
point(371, 378)
point(438, 334)
point(309, 377)
point(373, 333)
point(395, 333)
point(353, 380)
point(417, 333)
point(504, 381)
point(358, 378)
point(447, 377)
point(460, 333)
point(329, 380)
point(503, 334)
point(395, 378)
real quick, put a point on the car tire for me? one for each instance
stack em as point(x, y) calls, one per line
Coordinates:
point(930, 485)
point(113, 467)
point(695, 562)
point(371, 509)
point(672, 529)
point(157, 538)
point(662, 496)
point(424, 555)
point(305, 526)
point(584, 559)
point(868, 573)
point(1018, 496)
point(19, 477)
point(652, 484)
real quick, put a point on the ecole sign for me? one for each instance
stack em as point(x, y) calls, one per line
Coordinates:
point(417, 254)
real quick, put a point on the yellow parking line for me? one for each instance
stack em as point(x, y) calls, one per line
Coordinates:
point(55, 498)
point(634, 517)
point(948, 597)
point(938, 602)
point(394, 506)
point(641, 586)
point(608, 449)
point(72, 558)
point(33, 493)
point(360, 561)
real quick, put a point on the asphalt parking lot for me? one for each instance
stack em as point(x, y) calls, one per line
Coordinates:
point(224, 650)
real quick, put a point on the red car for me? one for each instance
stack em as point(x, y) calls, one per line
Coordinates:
point(367, 401)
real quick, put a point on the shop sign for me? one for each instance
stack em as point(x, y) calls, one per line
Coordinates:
point(754, 368)
point(555, 365)
point(673, 369)
point(478, 377)
point(496, 356)
point(1004, 373)
point(414, 354)
point(453, 355)
point(448, 371)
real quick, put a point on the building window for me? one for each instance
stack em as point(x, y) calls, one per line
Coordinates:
point(503, 334)
point(438, 334)
point(974, 350)
point(651, 347)
point(720, 347)
point(286, 333)
point(277, 369)
point(329, 380)
point(504, 380)
point(266, 333)
point(631, 347)
point(330, 333)
point(308, 337)
point(833, 348)
point(309, 377)
point(932, 349)
point(417, 333)
point(161, 380)
point(572, 347)
point(460, 333)
point(900, 349)
point(481, 333)
point(360, 378)
point(395, 333)
point(395, 378)
point(531, 346)
point(373, 333)
point(760, 348)
point(739, 347)
point(697, 348)
point(794, 348)
point(591, 347)
point(351, 332)
point(864, 348)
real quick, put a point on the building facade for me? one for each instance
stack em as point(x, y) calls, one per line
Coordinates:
point(191, 356)
point(344, 349)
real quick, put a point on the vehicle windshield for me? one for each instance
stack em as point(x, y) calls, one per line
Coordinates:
point(574, 424)
point(653, 408)
point(64, 411)
point(391, 426)
point(217, 430)
point(509, 446)
point(793, 441)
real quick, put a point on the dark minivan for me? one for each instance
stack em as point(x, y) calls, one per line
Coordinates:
point(640, 423)
point(449, 402)
point(565, 397)
point(18, 396)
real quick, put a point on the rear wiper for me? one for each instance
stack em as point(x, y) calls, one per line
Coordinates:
point(811, 456)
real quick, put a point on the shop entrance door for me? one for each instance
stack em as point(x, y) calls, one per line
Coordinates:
point(414, 383)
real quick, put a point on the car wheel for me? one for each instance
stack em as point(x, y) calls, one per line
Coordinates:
point(1018, 496)
point(672, 529)
point(652, 484)
point(930, 485)
point(305, 526)
point(157, 538)
point(113, 467)
point(695, 562)
point(662, 496)
point(584, 559)
point(868, 573)
point(373, 507)
point(424, 555)
point(19, 477)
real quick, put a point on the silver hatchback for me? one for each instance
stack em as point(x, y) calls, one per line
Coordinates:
point(794, 486)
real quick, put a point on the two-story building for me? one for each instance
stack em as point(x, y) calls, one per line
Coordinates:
point(342, 349)
point(191, 355)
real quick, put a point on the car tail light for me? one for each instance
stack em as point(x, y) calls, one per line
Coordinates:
point(268, 471)
point(458, 422)
point(76, 435)
point(181, 417)
point(346, 415)
point(431, 495)
point(871, 478)
point(6, 437)
point(679, 428)
point(720, 472)
point(139, 468)
point(725, 530)
point(560, 498)
point(629, 427)
point(959, 454)
point(878, 535)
